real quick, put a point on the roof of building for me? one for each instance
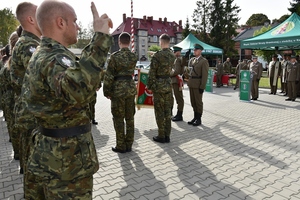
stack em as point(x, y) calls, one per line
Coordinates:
point(247, 32)
point(154, 27)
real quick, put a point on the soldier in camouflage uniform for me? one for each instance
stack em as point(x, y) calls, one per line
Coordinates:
point(119, 87)
point(7, 91)
point(176, 78)
point(159, 82)
point(197, 83)
point(24, 121)
point(23, 50)
point(59, 89)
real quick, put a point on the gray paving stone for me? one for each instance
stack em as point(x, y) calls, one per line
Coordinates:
point(242, 151)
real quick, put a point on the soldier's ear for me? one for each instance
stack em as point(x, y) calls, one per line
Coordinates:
point(60, 22)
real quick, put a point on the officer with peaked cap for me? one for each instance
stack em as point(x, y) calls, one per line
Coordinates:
point(197, 83)
point(177, 82)
point(256, 72)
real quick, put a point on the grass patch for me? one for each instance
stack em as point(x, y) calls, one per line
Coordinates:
point(263, 83)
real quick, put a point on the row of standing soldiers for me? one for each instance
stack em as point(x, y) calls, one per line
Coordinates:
point(288, 70)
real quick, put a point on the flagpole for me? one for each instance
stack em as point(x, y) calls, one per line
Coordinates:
point(132, 28)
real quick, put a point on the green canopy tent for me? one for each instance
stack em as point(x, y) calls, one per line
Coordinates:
point(285, 36)
point(190, 40)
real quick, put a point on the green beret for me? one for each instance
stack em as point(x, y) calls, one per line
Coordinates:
point(198, 46)
point(175, 48)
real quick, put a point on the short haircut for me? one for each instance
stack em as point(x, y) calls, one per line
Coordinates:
point(165, 38)
point(49, 10)
point(23, 9)
point(124, 38)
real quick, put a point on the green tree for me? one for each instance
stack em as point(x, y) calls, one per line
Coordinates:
point(266, 55)
point(282, 18)
point(257, 20)
point(201, 19)
point(295, 7)
point(186, 31)
point(224, 20)
point(84, 36)
point(8, 24)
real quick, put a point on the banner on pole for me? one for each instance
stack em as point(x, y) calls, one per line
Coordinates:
point(245, 85)
point(144, 96)
point(209, 82)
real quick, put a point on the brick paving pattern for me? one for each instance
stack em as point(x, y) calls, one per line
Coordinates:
point(243, 150)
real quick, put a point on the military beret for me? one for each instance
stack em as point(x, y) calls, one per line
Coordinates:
point(175, 48)
point(198, 46)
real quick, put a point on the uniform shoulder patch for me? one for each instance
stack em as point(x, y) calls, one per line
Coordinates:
point(64, 61)
point(32, 49)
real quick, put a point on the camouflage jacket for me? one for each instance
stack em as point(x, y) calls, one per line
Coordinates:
point(60, 85)
point(21, 55)
point(121, 63)
point(160, 68)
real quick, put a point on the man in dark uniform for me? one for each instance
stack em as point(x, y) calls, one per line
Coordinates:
point(197, 83)
point(159, 82)
point(60, 88)
point(220, 72)
point(227, 66)
point(256, 72)
point(274, 72)
point(177, 83)
point(292, 78)
point(241, 66)
point(120, 88)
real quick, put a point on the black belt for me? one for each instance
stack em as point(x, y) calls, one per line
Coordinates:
point(123, 78)
point(65, 132)
point(197, 77)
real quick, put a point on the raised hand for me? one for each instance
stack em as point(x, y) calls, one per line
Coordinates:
point(100, 24)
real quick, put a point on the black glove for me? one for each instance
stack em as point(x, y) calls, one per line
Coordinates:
point(297, 82)
point(257, 80)
point(187, 54)
point(201, 91)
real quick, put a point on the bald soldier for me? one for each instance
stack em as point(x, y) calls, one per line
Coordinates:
point(60, 88)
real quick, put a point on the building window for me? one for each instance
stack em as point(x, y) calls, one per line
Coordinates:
point(143, 42)
point(143, 52)
point(154, 38)
point(172, 40)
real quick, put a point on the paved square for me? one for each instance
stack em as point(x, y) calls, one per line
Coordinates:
point(242, 150)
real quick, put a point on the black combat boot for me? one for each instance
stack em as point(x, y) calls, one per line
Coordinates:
point(178, 117)
point(94, 122)
point(197, 122)
point(193, 120)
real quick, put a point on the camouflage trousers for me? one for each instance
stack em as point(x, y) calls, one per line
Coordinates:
point(163, 103)
point(92, 106)
point(42, 189)
point(8, 110)
point(123, 108)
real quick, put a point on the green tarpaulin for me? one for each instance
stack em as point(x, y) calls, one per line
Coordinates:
point(285, 36)
point(190, 40)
